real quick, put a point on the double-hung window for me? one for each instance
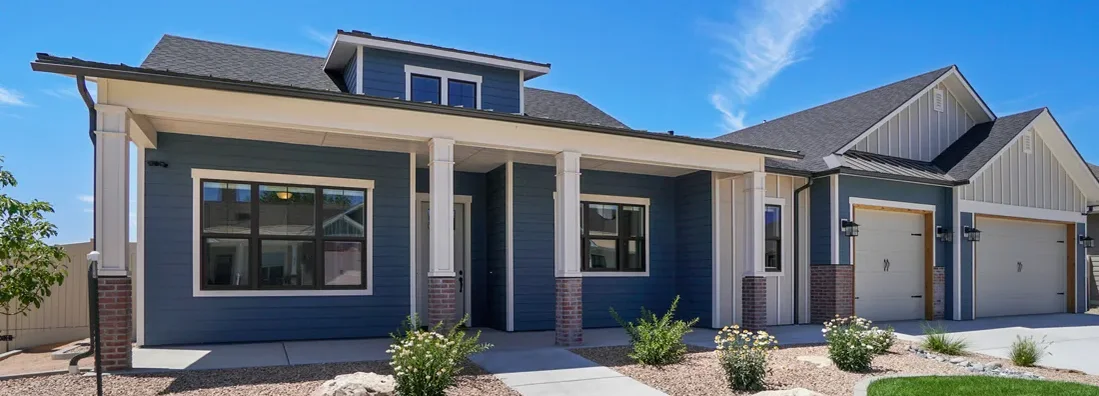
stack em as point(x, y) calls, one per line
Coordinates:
point(443, 87)
point(282, 236)
point(612, 237)
point(772, 238)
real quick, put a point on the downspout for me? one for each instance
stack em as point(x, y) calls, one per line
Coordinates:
point(93, 305)
point(797, 247)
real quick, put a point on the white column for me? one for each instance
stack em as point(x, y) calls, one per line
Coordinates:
point(112, 180)
point(441, 176)
point(754, 197)
point(566, 242)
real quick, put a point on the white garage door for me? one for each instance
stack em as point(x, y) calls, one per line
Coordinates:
point(1020, 267)
point(889, 265)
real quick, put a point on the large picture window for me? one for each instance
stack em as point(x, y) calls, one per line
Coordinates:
point(773, 238)
point(274, 236)
point(612, 237)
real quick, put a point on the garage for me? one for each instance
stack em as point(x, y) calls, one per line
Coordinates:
point(891, 264)
point(1020, 267)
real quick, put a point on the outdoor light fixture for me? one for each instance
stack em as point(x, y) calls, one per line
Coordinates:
point(283, 194)
point(1087, 241)
point(971, 234)
point(849, 228)
point(944, 234)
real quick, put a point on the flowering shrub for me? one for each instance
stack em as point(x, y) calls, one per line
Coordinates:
point(882, 339)
point(426, 361)
point(657, 341)
point(852, 342)
point(743, 357)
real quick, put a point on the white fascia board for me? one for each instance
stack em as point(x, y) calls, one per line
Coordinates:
point(1020, 212)
point(1065, 152)
point(533, 70)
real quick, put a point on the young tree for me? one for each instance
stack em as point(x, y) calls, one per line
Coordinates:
point(28, 266)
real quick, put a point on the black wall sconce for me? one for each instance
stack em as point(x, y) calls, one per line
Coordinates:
point(1087, 241)
point(971, 234)
point(944, 234)
point(850, 228)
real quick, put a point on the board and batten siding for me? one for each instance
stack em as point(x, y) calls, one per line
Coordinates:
point(1035, 180)
point(174, 316)
point(919, 132)
point(384, 76)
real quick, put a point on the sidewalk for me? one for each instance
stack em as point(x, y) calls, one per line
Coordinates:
point(556, 371)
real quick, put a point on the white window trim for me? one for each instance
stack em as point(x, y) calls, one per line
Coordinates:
point(639, 201)
point(444, 76)
point(256, 177)
point(784, 258)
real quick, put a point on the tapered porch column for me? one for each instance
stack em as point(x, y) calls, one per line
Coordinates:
point(569, 329)
point(754, 283)
point(442, 288)
point(112, 232)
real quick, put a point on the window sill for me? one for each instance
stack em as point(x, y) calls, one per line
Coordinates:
point(613, 274)
point(282, 293)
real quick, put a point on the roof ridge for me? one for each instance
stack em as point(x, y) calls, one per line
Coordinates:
point(241, 46)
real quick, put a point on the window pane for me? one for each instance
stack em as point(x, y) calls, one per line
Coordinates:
point(287, 263)
point(602, 254)
point(226, 262)
point(344, 213)
point(602, 219)
point(461, 93)
point(773, 259)
point(773, 222)
point(425, 89)
point(343, 263)
point(635, 261)
point(287, 210)
point(226, 208)
point(634, 216)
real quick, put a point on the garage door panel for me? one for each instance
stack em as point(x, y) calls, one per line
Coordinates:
point(1020, 267)
point(893, 291)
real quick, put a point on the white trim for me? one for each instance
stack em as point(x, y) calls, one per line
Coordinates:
point(715, 252)
point(439, 52)
point(412, 235)
point(891, 204)
point(444, 76)
point(956, 247)
point(785, 264)
point(359, 70)
point(522, 94)
point(509, 191)
point(834, 185)
point(139, 264)
point(977, 207)
point(624, 200)
point(196, 229)
point(641, 201)
point(467, 202)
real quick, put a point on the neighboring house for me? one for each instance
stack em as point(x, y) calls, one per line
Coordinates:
point(1093, 253)
point(287, 197)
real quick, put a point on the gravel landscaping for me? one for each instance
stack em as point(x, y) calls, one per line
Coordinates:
point(700, 373)
point(282, 380)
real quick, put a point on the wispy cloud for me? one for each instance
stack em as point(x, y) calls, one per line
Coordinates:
point(86, 198)
point(11, 97)
point(316, 35)
point(62, 93)
point(765, 37)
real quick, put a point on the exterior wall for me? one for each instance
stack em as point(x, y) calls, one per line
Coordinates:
point(472, 184)
point(532, 237)
point(496, 236)
point(919, 132)
point(1082, 273)
point(780, 289)
point(1034, 180)
point(820, 221)
point(173, 316)
point(693, 234)
point(967, 269)
point(384, 76)
point(350, 77)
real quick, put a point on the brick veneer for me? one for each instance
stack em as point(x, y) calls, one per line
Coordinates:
point(938, 286)
point(569, 330)
point(115, 322)
point(753, 302)
point(831, 291)
point(441, 295)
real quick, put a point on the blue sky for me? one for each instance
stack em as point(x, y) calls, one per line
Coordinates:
point(693, 67)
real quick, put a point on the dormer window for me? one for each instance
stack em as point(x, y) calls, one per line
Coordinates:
point(443, 87)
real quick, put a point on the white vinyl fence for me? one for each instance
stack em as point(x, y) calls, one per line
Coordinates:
point(63, 316)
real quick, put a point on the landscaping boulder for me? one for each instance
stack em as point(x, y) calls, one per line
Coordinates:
point(789, 392)
point(358, 384)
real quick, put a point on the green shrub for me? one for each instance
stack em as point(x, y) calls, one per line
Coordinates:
point(1026, 352)
point(851, 343)
point(657, 341)
point(937, 340)
point(426, 361)
point(743, 357)
point(882, 339)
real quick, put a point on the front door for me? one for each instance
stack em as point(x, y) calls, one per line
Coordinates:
point(461, 266)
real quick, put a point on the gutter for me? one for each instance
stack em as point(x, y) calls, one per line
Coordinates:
point(52, 64)
point(797, 247)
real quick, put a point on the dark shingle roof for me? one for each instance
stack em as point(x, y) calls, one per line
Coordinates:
point(823, 130)
point(234, 62)
point(981, 143)
point(1094, 169)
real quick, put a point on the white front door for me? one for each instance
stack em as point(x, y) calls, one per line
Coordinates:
point(1020, 267)
point(889, 265)
point(460, 264)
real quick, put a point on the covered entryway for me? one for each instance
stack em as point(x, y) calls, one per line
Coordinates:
point(892, 259)
point(1020, 267)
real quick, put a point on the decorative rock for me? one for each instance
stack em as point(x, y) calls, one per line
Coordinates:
point(358, 384)
point(979, 367)
point(994, 365)
point(957, 360)
point(789, 392)
point(820, 361)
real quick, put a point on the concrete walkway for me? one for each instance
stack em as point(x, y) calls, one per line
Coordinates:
point(556, 371)
point(222, 356)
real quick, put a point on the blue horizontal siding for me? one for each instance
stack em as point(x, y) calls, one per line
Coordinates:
point(350, 78)
point(384, 76)
point(496, 218)
point(820, 221)
point(532, 236)
point(694, 246)
point(966, 259)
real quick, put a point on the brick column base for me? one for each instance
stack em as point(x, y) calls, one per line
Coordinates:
point(441, 295)
point(116, 323)
point(938, 286)
point(831, 292)
point(569, 330)
point(753, 302)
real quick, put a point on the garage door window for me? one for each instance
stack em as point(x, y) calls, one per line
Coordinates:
point(773, 238)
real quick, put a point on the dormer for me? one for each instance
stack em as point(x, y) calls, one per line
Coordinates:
point(405, 70)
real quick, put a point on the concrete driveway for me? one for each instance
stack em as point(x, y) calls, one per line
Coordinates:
point(1073, 339)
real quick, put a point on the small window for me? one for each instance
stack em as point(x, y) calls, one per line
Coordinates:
point(461, 94)
point(444, 87)
point(612, 237)
point(773, 238)
point(426, 89)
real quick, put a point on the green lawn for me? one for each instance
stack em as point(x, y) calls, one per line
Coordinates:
point(977, 385)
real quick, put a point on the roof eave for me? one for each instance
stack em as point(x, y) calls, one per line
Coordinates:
point(888, 176)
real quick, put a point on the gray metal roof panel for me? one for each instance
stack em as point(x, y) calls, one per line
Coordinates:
point(886, 165)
